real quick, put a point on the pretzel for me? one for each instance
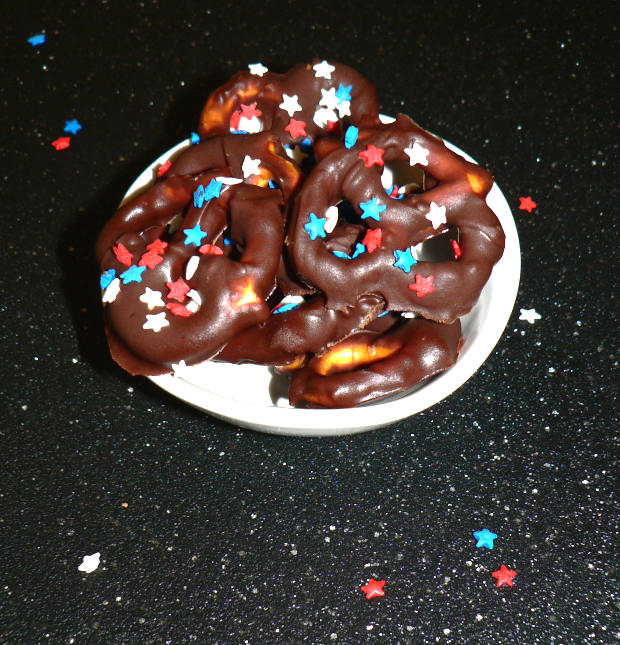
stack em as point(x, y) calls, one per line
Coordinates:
point(299, 106)
point(382, 260)
point(191, 261)
point(371, 365)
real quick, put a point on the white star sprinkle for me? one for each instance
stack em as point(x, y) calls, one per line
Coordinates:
point(258, 69)
point(252, 125)
point(155, 321)
point(90, 563)
point(250, 166)
point(323, 70)
point(531, 315)
point(323, 115)
point(152, 299)
point(180, 369)
point(191, 266)
point(329, 98)
point(437, 215)
point(290, 104)
point(417, 154)
point(331, 219)
point(229, 181)
point(109, 295)
point(344, 108)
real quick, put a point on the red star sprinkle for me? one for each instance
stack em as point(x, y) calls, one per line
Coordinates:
point(374, 589)
point(527, 204)
point(178, 289)
point(163, 169)
point(233, 124)
point(150, 260)
point(422, 285)
point(372, 239)
point(296, 128)
point(249, 111)
point(504, 576)
point(157, 246)
point(333, 127)
point(122, 254)
point(372, 155)
point(62, 143)
point(456, 249)
point(394, 192)
point(210, 249)
point(178, 310)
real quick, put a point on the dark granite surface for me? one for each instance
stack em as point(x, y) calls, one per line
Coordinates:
point(213, 534)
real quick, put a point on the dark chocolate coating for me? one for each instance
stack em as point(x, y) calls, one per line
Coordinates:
point(267, 92)
point(458, 185)
point(229, 291)
point(309, 328)
point(421, 349)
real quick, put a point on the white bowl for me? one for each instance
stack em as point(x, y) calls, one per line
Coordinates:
point(253, 396)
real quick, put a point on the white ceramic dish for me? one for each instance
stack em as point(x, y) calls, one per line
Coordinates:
point(252, 396)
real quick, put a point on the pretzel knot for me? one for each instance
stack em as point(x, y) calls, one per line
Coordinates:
point(392, 223)
point(190, 262)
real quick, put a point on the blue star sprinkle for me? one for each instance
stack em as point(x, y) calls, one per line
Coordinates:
point(350, 137)
point(404, 260)
point(286, 307)
point(72, 126)
point(359, 249)
point(372, 209)
point(194, 138)
point(484, 538)
point(213, 189)
point(194, 235)
point(315, 226)
point(272, 184)
point(133, 274)
point(37, 39)
point(343, 93)
point(106, 278)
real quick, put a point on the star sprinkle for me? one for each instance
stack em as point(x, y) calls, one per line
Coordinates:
point(404, 260)
point(250, 166)
point(343, 93)
point(112, 290)
point(164, 168)
point(315, 226)
point(531, 315)
point(372, 155)
point(417, 155)
point(152, 299)
point(210, 249)
point(133, 274)
point(329, 99)
point(350, 137)
point(359, 249)
point(106, 278)
point(90, 563)
point(257, 69)
point(157, 246)
point(526, 204)
point(323, 117)
point(150, 260)
point(372, 209)
point(504, 576)
point(122, 254)
point(178, 310)
point(373, 589)
point(37, 39)
point(62, 143)
point(179, 369)
point(156, 322)
point(73, 126)
point(437, 215)
point(249, 111)
point(323, 70)
point(194, 138)
point(331, 219)
point(372, 239)
point(422, 286)
point(177, 290)
point(484, 538)
point(296, 128)
point(194, 235)
point(290, 104)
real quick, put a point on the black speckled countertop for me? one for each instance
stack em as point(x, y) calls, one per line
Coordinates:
point(210, 533)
